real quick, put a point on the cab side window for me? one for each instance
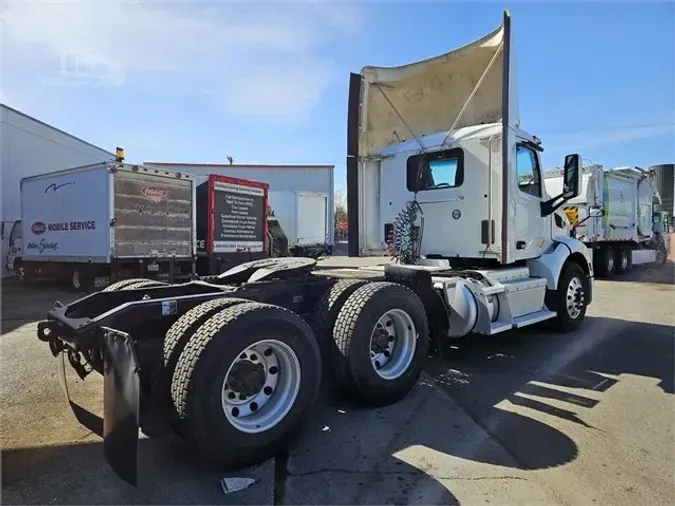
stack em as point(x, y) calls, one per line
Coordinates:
point(527, 169)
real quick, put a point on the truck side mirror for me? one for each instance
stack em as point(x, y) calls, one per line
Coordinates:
point(596, 212)
point(571, 176)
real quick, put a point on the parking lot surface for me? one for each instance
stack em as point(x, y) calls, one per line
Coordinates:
point(527, 417)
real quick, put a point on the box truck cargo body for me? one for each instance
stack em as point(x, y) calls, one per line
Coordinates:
point(302, 217)
point(98, 223)
point(288, 179)
point(629, 200)
point(231, 222)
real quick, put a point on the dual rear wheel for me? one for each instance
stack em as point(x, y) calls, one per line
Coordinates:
point(241, 377)
point(610, 260)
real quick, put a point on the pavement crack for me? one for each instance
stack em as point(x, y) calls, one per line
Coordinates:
point(401, 473)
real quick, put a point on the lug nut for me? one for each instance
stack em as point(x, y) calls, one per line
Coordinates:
point(268, 352)
point(235, 412)
point(388, 324)
point(386, 353)
point(231, 395)
point(391, 339)
point(253, 406)
point(254, 357)
point(243, 356)
point(377, 364)
point(274, 369)
point(268, 390)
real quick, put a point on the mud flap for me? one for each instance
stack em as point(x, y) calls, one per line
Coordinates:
point(121, 391)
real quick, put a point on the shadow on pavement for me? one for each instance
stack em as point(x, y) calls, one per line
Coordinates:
point(481, 372)
point(78, 474)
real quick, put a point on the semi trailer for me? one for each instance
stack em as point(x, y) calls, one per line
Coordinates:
point(94, 224)
point(234, 361)
point(630, 205)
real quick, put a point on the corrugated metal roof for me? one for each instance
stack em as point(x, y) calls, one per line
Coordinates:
point(239, 165)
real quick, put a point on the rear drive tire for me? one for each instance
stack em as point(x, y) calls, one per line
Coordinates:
point(572, 297)
point(382, 338)
point(606, 262)
point(79, 280)
point(181, 332)
point(623, 259)
point(115, 287)
point(326, 311)
point(661, 254)
point(264, 352)
point(146, 283)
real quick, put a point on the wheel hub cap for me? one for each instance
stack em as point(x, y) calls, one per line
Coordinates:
point(261, 386)
point(575, 298)
point(247, 378)
point(392, 344)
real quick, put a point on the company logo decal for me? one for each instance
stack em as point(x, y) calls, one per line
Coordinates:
point(55, 186)
point(38, 228)
point(154, 192)
point(43, 245)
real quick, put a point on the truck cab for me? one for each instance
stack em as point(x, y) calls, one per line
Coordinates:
point(441, 174)
point(14, 248)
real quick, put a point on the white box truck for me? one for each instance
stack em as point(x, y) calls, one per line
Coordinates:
point(107, 221)
point(630, 208)
point(304, 218)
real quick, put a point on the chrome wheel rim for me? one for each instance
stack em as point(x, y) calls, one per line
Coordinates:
point(392, 344)
point(624, 260)
point(261, 386)
point(575, 298)
point(76, 279)
point(610, 262)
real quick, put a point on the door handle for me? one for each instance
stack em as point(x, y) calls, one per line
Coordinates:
point(520, 244)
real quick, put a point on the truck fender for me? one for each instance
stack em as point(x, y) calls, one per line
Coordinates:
point(550, 264)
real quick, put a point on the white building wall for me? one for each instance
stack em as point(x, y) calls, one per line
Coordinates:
point(30, 147)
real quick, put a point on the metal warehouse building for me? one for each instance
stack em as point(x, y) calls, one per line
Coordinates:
point(30, 147)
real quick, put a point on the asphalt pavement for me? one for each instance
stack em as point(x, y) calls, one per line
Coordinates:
point(527, 417)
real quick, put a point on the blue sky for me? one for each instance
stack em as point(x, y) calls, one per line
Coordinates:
point(267, 82)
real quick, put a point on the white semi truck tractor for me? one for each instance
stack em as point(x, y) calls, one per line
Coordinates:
point(441, 173)
point(437, 162)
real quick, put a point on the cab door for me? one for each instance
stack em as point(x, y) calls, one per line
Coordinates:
point(532, 233)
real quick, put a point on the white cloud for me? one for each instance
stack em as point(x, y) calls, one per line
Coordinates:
point(265, 58)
